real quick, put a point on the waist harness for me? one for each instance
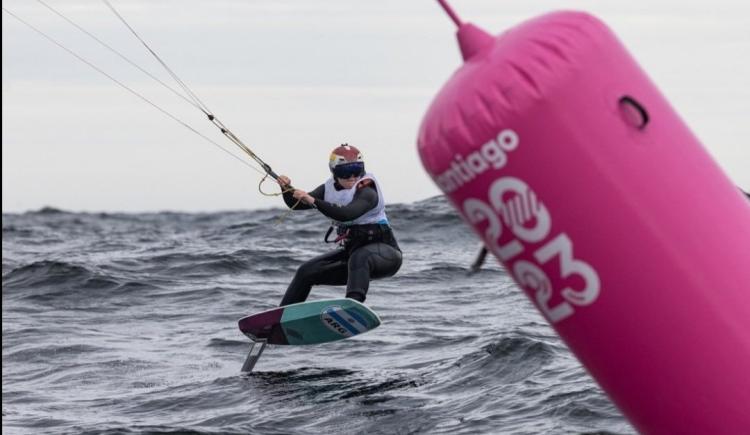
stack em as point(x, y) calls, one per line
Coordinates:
point(354, 236)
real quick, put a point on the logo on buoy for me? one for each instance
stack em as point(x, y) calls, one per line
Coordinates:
point(493, 154)
point(342, 322)
point(517, 221)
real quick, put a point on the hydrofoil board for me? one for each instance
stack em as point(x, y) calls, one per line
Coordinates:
point(306, 323)
point(310, 322)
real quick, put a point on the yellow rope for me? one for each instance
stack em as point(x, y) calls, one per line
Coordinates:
point(284, 190)
point(269, 194)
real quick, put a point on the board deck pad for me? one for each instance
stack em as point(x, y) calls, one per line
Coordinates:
point(310, 322)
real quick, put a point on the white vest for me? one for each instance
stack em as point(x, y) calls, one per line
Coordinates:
point(345, 196)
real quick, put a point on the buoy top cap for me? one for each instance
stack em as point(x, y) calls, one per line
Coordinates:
point(472, 39)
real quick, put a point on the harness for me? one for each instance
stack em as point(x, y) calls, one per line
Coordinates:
point(371, 227)
point(351, 237)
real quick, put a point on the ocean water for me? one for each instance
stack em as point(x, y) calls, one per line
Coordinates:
point(127, 323)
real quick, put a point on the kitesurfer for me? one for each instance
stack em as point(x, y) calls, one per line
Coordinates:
point(353, 200)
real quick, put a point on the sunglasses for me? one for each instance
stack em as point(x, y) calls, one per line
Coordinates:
point(348, 170)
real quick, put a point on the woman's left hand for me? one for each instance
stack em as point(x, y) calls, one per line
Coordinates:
point(304, 197)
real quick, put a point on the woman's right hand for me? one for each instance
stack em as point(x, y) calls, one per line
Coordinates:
point(283, 181)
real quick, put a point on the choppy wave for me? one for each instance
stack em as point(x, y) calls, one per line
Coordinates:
point(118, 323)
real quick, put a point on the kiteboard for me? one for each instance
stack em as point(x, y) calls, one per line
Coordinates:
point(306, 323)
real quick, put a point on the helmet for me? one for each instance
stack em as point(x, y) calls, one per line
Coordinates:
point(346, 161)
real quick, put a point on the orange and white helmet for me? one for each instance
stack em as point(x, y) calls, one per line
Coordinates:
point(346, 161)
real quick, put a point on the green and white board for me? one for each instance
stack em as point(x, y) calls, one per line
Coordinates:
point(310, 322)
point(307, 323)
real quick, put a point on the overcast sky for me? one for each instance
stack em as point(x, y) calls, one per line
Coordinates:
point(295, 78)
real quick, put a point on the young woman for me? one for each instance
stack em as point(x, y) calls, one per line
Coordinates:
point(367, 250)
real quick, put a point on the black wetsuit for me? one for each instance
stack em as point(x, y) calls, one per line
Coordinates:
point(369, 251)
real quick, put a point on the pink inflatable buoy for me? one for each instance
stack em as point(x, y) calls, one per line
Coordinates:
point(582, 180)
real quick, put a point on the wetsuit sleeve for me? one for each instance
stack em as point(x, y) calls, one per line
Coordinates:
point(318, 194)
point(365, 199)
